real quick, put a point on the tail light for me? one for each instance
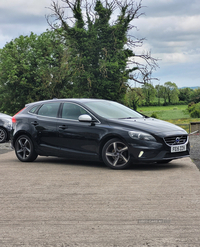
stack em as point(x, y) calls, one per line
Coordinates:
point(14, 120)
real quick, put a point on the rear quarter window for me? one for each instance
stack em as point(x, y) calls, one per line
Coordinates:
point(49, 110)
point(34, 109)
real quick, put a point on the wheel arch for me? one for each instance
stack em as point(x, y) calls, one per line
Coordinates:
point(19, 133)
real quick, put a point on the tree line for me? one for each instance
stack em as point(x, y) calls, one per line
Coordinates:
point(167, 94)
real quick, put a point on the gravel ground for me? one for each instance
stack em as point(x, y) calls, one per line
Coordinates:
point(194, 151)
point(5, 147)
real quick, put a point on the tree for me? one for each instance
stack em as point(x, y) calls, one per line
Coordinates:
point(32, 68)
point(195, 95)
point(185, 94)
point(149, 92)
point(172, 92)
point(133, 97)
point(160, 91)
point(100, 47)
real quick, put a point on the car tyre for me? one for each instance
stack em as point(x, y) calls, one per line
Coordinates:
point(116, 155)
point(24, 149)
point(3, 135)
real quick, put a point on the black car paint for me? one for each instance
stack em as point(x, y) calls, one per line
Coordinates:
point(85, 140)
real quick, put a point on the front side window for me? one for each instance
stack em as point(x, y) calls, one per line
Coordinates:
point(72, 111)
point(111, 109)
point(49, 109)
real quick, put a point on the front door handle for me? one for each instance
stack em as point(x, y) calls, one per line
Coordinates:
point(63, 127)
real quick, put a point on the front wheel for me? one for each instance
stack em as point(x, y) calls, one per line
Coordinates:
point(115, 154)
point(24, 149)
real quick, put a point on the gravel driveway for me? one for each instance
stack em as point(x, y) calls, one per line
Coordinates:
point(5, 147)
point(194, 152)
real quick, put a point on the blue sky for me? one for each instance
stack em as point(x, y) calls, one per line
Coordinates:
point(171, 29)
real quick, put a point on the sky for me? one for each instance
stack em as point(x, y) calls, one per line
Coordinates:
point(171, 29)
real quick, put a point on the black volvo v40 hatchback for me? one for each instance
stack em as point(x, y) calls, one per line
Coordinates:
point(94, 129)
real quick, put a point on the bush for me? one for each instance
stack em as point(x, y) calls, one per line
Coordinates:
point(194, 110)
point(154, 115)
point(191, 104)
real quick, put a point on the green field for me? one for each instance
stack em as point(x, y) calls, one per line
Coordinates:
point(166, 112)
point(176, 114)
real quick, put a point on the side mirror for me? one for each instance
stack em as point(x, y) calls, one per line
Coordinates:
point(85, 118)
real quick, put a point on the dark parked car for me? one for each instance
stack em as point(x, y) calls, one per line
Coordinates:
point(5, 127)
point(92, 129)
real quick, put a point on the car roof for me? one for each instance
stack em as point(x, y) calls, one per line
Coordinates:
point(76, 100)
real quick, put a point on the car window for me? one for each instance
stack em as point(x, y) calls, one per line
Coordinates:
point(33, 109)
point(49, 110)
point(72, 111)
point(110, 109)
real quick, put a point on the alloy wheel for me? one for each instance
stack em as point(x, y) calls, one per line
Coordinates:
point(24, 149)
point(116, 154)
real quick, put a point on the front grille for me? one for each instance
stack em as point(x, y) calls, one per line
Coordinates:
point(176, 140)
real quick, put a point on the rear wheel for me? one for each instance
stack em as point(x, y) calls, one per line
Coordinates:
point(115, 154)
point(3, 135)
point(24, 149)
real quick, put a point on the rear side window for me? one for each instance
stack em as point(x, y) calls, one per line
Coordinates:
point(49, 110)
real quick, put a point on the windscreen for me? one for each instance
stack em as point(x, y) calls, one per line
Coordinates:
point(110, 109)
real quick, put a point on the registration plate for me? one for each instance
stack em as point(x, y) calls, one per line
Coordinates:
point(178, 148)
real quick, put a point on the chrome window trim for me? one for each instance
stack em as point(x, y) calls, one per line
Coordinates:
point(62, 102)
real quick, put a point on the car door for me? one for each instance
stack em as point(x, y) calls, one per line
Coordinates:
point(45, 124)
point(77, 139)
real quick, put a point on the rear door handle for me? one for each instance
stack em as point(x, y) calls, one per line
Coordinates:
point(63, 127)
point(35, 123)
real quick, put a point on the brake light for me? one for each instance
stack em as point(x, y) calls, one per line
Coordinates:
point(14, 120)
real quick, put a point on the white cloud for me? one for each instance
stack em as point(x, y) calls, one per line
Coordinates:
point(20, 17)
point(32, 7)
point(173, 58)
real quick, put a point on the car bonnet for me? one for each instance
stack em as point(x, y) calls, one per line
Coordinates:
point(151, 125)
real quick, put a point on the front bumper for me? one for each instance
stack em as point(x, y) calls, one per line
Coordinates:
point(156, 152)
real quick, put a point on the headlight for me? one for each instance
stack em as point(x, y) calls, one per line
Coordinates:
point(141, 136)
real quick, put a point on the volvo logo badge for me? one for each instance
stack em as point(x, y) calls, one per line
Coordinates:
point(177, 140)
